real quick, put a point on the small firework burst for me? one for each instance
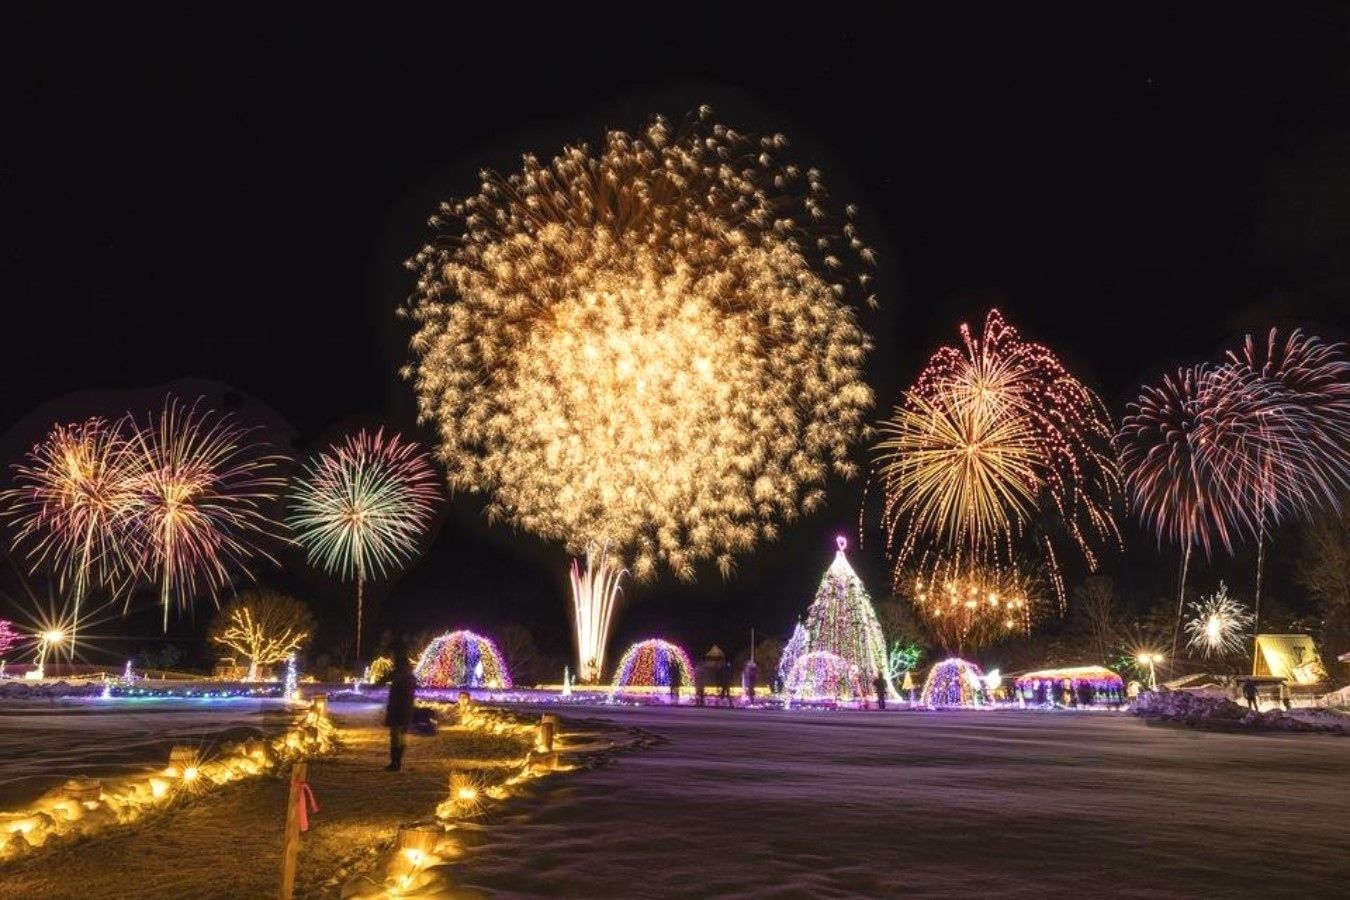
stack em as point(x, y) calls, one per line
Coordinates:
point(1220, 624)
point(361, 507)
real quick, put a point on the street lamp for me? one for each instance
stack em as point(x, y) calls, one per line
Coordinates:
point(46, 640)
point(1151, 660)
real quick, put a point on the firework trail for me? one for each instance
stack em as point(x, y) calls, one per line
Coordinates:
point(648, 345)
point(997, 448)
point(361, 507)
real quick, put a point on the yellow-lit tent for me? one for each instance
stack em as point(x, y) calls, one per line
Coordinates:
point(1291, 656)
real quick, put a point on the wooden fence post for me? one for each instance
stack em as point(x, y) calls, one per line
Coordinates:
point(290, 848)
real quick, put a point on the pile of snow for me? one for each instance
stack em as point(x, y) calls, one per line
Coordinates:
point(1218, 712)
point(47, 690)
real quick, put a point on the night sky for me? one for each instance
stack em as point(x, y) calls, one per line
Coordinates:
point(225, 204)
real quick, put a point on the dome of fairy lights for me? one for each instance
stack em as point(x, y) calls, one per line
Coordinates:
point(953, 682)
point(462, 659)
point(647, 664)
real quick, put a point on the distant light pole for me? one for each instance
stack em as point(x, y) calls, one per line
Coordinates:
point(1151, 660)
point(46, 640)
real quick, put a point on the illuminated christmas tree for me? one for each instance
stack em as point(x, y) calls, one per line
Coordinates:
point(841, 620)
point(796, 648)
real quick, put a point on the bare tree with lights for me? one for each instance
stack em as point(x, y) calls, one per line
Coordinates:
point(264, 627)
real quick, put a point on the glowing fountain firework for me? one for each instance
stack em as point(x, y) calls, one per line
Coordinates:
point(648, 345)
point(648, 664)
point(360, 508)
point(1220, 625)
point(72, 495)
point(997, 448)
point(979, 607)
point(595, 592)
point(202, 489)
point(462, 659)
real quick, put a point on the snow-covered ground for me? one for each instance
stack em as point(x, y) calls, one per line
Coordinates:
point(227, 844)
point(930, 804)
point(42, 743)
point(740, 803)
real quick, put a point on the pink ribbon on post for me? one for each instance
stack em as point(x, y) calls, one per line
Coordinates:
point(306, 795)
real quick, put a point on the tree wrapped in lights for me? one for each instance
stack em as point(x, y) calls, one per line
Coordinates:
point(841, 621)
point(797, 647)
point(902, 659)
point(264, 627)
point(595, 592)
point(975, 609)
point(648, 664)
point(462, 659)
point(649, 345)
point(1220, 625)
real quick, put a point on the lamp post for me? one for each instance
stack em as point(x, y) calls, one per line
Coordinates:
point(46, 640)
point(1151, 660)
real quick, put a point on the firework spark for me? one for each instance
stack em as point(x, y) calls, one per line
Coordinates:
point(1301, 394)
point(649, 346)
point(968, 610)
point(1220, 625)
point(1186, 450)
point(201, 490)
point(994, 445)
point(71, 496)
point(361, 507)
point(1213, 452)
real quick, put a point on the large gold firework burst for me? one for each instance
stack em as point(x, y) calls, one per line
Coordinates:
point(997, 449)
point(649, 346)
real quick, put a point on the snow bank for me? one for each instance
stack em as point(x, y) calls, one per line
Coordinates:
point(48, 690)
point(1217, 712)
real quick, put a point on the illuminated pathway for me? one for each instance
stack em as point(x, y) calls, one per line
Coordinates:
point(228, 844)
point(1010, 804)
